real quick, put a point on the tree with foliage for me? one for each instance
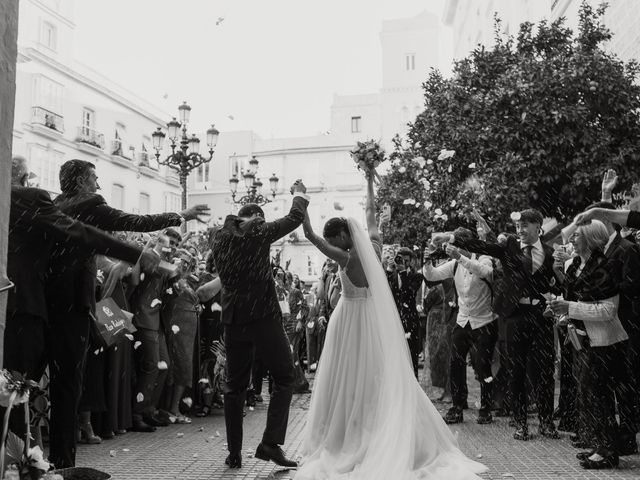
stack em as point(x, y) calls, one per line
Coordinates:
point(532, 122)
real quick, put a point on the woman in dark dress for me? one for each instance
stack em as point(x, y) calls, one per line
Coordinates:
point(117, 361)
point(180, 318)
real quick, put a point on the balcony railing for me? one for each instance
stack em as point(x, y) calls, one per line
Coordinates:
point(91, 137)
point(118, 148)
point(42, 116)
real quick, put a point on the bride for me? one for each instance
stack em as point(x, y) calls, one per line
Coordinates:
point(369, 418)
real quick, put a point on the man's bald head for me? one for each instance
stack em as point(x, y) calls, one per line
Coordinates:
point(19, 171)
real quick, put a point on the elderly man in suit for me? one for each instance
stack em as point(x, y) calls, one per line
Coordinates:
point(71, 283)
point(252, 319)
point(34, 224)
point(519, 298)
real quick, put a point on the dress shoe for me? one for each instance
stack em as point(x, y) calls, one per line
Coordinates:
point(259, 399)
point(156, 421)
point(609, 460)
point(275, 454)
point(584, 455)
point(107, 435)
point(522, 433)
point(139, 425)
point(251, 400)
point(454, 415)
point(484, 417)
point(548, 430)
point(234, 460)
point(302, 390)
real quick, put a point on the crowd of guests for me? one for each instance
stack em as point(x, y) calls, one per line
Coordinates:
point(70, 255)
point(512, 303)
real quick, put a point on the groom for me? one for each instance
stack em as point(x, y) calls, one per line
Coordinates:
point(252, 319)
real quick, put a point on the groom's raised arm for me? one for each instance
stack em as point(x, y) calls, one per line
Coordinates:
point(287, 224)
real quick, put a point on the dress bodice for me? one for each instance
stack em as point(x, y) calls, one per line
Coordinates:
point(349, 290)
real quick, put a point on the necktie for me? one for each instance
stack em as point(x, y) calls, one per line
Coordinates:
point(529, 255)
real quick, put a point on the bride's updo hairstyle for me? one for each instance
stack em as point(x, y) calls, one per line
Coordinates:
point(336, 232)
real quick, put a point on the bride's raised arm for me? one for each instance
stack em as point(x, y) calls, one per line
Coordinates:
point(370, 212)
point(321, 244)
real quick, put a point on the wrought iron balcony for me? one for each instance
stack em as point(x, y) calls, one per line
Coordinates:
point(42, 116)
point(118, 148)
point(91, 137)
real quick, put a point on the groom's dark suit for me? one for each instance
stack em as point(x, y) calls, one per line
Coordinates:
point(252, 318)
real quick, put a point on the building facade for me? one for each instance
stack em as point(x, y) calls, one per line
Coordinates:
point(472, 21)
point(65, 110)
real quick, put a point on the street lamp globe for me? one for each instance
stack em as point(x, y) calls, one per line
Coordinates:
point(258, 185)
point(233, 183)
point(212, 137)
point(158, 139)
point(273, 183)
point(185, 112)
point(248, 179)
point(173, 129)
point(253, 164)
point(194, 144)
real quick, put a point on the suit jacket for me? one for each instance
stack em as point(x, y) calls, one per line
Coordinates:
point(34, 224)
point(241, 256)
point(517, 281)
point(72, 276)
point(625, 264)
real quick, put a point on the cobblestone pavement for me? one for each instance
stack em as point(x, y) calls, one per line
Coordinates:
point(197, 451)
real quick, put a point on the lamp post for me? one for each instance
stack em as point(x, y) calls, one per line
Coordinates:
point(185, 155)
point(253, 185)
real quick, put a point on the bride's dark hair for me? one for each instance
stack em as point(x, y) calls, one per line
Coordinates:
point(335, 226)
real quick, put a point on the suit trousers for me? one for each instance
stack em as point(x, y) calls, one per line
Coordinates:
point(25, 352)
point(627, 388)
point(300, 381)
point(271, 345)
point(530, 339)
point(481, 343)
point(605, 370)
point(150, 379)
point(68, 343)
point(312, 345)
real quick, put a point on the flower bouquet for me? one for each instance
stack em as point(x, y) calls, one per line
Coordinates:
point(368, 156)
point(25, 462)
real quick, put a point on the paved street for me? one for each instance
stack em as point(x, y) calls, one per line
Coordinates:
point(197, 451)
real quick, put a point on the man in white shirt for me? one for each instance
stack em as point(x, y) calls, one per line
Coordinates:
point(475, 328)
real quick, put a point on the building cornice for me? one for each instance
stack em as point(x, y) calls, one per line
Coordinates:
point(52, 12)
point(34, 54)
point(289, 151)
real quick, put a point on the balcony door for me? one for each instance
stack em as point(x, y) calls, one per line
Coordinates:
point(88, 121)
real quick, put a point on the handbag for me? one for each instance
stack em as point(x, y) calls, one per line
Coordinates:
point(110, 322)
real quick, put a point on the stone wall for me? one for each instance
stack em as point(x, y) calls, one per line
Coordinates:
point(8, 57)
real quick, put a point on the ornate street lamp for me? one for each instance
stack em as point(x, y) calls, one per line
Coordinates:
point(185, 155)
point(253, 185)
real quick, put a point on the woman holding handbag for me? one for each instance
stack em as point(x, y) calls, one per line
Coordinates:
point(599, 342)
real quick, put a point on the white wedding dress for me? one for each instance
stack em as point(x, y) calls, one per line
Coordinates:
point(369, 418)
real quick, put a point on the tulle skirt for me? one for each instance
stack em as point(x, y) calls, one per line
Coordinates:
point(366, 422)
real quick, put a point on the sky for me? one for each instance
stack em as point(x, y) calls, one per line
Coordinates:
point(271, 66)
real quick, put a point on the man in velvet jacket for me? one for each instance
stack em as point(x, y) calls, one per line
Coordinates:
point(35, 223)
point(70, 290)
point(252, 319)
point(518, 298)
